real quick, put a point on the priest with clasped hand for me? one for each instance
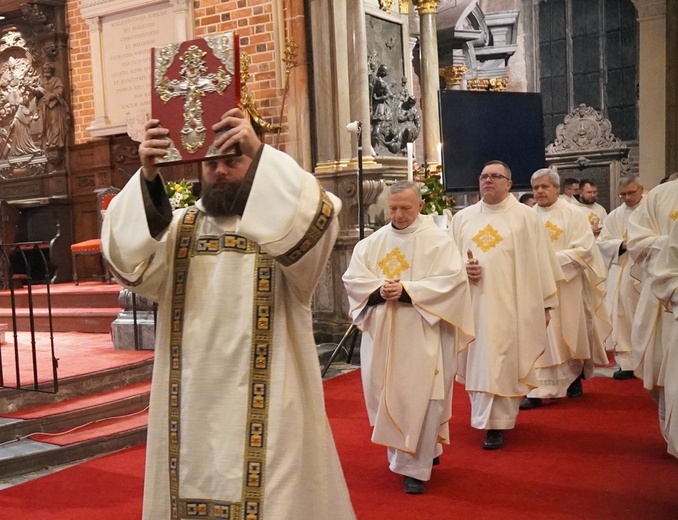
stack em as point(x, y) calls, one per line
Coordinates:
point(408, 293)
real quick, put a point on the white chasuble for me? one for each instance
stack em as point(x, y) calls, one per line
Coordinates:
point(519, 272)
point(665, 286)
point(580, 321)
point(648, 230)
point(237, 425)
point(408, 350)
point(622, 293)
point(595, 213)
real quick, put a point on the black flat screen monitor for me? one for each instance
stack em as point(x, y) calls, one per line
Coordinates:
point(478, 127)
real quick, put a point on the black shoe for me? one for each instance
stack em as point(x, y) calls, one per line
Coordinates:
point(623, 374)
point(530, 402)
point(414, 486)
point(575, 389)
point(494, 440)
point(436, 461)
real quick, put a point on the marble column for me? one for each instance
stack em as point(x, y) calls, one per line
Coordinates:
point(100, 116)
point(430, 80)
point(652, 87)
point(357, 72)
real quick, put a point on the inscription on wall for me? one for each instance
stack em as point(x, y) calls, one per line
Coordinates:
point(127, 39)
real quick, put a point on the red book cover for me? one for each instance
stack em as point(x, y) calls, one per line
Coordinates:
point(192, 84)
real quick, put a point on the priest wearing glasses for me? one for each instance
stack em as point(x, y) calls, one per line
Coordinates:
point(513, 270)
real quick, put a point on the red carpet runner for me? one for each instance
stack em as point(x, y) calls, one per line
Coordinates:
point(599, 457)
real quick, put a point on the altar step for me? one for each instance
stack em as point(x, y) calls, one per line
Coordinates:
point(75, 429)
point(88, 307)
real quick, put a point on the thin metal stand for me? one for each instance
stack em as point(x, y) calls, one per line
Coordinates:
point(352, 334)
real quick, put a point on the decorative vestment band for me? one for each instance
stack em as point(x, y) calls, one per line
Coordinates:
point(188, 245)
point(320, 224)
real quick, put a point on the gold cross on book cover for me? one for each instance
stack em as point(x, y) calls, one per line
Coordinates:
point(193, 84)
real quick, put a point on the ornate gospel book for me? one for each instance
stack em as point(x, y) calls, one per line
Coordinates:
point(193, 83)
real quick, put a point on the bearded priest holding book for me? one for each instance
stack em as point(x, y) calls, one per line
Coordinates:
point(237, 425)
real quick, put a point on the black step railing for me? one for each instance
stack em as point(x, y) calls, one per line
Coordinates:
point(18, 254)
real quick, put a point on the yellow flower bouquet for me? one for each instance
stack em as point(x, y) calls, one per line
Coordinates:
point(180, 194)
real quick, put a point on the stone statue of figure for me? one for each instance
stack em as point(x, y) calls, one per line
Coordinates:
point(54, 110)
point(382, 114)
point(17, 110)
point(407, 128)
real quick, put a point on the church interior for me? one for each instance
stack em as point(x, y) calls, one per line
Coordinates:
point(361, 93)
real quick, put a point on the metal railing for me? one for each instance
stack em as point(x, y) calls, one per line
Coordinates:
point(19, 253)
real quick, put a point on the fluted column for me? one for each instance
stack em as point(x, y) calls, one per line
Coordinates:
point(430, 81)
point(652, 90)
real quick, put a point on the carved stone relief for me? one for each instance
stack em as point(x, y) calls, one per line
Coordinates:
point(584, 129)
point(394, 119)
point(34, 109)
point(585, 147)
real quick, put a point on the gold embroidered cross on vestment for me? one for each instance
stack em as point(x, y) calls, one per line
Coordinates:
point(553, 230)
point(487, 238)
point(393, 264)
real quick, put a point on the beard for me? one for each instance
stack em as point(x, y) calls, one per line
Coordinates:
point(218, 199)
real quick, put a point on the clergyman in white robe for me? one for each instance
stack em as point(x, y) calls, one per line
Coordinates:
point(573, 346)
point(409, 346)
point(664, 273)
point(648, 231)
point(519, 272)
point(237, 425)
point(622, 293)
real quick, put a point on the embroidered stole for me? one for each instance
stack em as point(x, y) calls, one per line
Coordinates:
point(251, 505)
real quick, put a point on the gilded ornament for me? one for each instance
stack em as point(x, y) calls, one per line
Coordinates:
point(487, 238)
point(426, 6)
point(478, 84)
point(674, 216)
point(553, 230)
point(498, 84)
point(393, 264)
point(386, 5)
point(453, 74)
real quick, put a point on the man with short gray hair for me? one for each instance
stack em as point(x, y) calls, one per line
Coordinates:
point(408, 293)
point(622, 293)
point(574, 336)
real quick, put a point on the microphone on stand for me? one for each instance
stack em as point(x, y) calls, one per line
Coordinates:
point(356, 127)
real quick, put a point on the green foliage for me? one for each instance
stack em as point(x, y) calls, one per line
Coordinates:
point(432, 190)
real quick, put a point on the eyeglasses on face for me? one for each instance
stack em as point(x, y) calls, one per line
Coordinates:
point(493, 177)
point(628, 193)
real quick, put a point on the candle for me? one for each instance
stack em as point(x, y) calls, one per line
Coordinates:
point(410, 160)
point(440, 153)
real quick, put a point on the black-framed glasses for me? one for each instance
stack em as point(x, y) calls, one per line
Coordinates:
point(628, 193)
point(493, 177)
